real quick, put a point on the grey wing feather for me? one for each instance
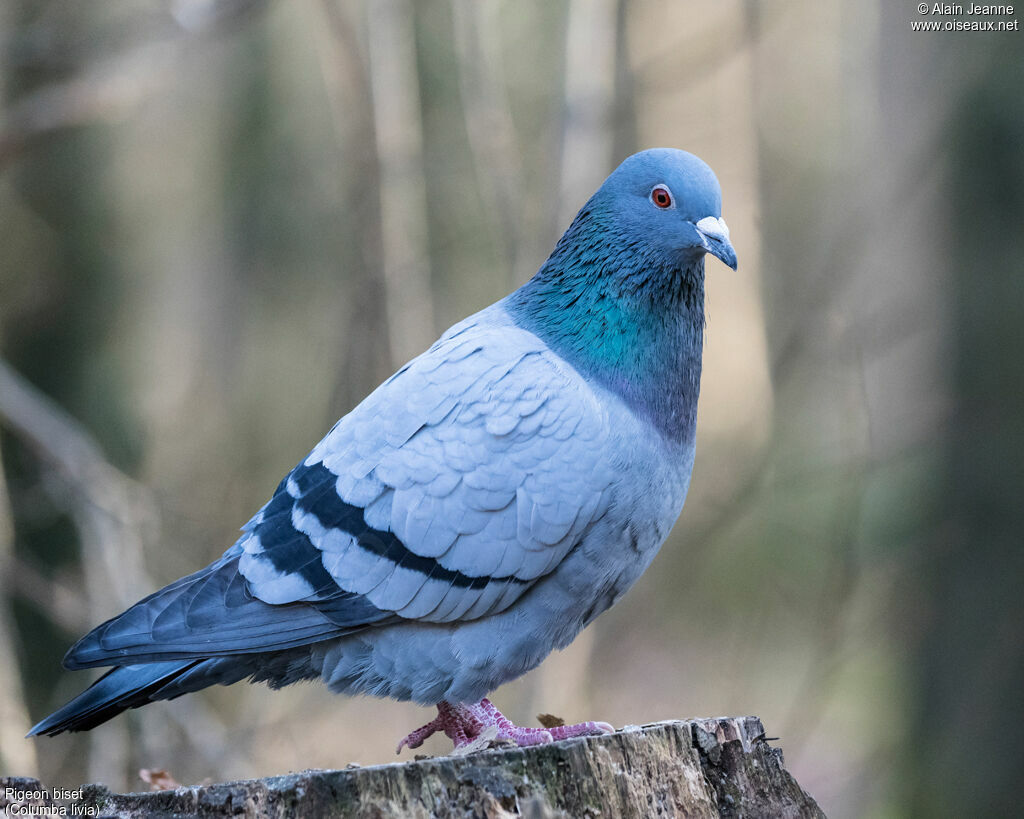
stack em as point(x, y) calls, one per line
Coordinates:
point(475, 471)
point(213, 613)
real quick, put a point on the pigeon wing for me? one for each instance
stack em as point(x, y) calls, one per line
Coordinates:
point(451, 490)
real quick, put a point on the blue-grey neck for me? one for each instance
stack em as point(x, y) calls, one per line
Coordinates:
point(630, 320)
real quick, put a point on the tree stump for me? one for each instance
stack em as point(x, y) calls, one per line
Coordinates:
point(695, 768)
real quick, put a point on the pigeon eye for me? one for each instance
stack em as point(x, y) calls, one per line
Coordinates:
point(661, 197)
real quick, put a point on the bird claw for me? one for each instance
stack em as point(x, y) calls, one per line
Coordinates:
point(416, 738)
point(464, 724)
point(581, 729)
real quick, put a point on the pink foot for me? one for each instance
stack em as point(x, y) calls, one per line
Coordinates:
point(464, 723)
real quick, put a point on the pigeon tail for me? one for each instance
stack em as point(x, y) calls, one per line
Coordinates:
point(132, 686)
point(118, 690)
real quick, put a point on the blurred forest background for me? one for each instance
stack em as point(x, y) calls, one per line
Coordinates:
point(223, 223)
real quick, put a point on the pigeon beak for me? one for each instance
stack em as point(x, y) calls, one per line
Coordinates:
point(715, 235)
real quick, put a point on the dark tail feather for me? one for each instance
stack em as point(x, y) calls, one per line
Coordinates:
point(132, 686)
point(121, 688)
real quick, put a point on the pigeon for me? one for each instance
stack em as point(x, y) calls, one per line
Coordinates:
point(480, 507)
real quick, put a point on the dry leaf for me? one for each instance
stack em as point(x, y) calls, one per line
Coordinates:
point(487, 738)
point(550, 720)
point(158, 779)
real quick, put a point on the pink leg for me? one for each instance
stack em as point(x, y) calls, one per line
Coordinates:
point(464, 723)
point(458, 723)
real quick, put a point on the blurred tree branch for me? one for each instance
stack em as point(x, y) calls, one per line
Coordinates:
point(15, 753)
point(590, 70)
point(115, 516)
point(103, 92)
point(394, 80)
point(109, 89)
point(64, 604)
point(346, 73)
point(496, 156)
point(108, 502)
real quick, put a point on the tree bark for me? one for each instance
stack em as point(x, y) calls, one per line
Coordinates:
point(699, 768)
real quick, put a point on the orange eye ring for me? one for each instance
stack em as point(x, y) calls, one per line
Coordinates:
point(662, 197)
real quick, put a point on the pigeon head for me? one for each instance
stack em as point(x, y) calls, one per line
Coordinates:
point(669, 203)
point(622, 295)
point(641, 238)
